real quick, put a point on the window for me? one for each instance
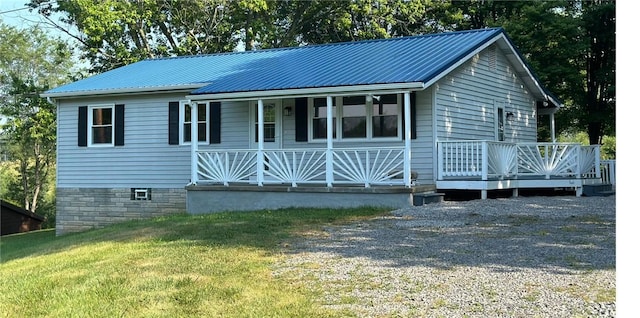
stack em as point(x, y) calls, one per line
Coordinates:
point(358, 117)
point(101, 119)
point(500, 117)
point(320, 118)
point(385, 116)
point(354, 117)
point(201, 121)
point(269, 115)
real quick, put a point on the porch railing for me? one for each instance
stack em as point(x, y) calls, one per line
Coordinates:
point(608, 171)
point(358, 166)
point(500, 160)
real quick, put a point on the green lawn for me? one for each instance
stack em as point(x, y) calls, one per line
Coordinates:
point(215, 265)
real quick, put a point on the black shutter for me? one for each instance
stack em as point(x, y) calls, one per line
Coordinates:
point(174, 123)
point(215, 123)
point(301, 119)
point(412, 107)
point(119, 125)
point(82, 126)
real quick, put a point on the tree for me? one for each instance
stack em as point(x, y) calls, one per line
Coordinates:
point(571, 47)
point(30, 63)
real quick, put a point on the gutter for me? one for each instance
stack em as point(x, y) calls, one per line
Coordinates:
point(132, 90)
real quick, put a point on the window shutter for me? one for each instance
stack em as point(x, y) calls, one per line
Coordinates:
point(119, 125)
point(174, 123)
point(414, 129)
point(301, 119)
point(215, 123)
point(82, 126)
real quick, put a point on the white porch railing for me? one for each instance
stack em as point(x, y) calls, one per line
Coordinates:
point(364, 166)
point(499, 160)
point(608, 171)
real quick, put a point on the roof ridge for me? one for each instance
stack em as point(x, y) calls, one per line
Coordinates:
point(400, 38)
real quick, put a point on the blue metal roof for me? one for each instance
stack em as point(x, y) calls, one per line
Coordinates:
point(395, 60)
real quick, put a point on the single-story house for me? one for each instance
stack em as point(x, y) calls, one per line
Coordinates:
point(14, 219)
point(376, 122)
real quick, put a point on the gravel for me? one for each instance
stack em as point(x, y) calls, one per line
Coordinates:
point(518, 257)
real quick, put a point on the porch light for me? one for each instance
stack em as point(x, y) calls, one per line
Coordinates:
point(510, 116)
point(287, 111)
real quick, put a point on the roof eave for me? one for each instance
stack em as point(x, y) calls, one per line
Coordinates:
point(307, 92)
point(136, 90)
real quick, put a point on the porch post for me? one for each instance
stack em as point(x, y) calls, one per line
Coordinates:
point(260, 154)
point(329, 155)
point(552, 123)
point(194, 142)
point(407, 140)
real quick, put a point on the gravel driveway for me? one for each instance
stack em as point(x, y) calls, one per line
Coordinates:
point(516, 257)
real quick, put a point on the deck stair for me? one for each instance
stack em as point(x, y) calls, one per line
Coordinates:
point(597, 190)
point(420, 199)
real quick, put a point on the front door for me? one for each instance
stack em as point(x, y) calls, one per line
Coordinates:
point(272, 124)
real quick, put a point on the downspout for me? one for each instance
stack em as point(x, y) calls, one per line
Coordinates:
point(552, 120)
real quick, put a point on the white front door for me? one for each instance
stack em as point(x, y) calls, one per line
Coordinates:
point(272, 124)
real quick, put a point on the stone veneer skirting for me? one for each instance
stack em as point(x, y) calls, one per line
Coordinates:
point(79, 209)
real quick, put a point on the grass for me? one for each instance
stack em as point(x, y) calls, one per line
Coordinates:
point(216, 265)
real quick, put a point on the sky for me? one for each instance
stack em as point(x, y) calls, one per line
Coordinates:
point(12, 13)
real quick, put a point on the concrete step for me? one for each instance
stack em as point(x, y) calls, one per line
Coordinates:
point(425, 198)
point(600, 189)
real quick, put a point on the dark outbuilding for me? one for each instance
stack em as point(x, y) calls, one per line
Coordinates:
point(15, 219)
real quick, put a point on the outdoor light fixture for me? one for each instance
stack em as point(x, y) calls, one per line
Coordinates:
point(287, 111)
point(370, 98)
point(511, 116)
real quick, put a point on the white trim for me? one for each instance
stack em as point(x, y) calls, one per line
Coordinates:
point(181, 122)
point(90, 109)
point(306, 92)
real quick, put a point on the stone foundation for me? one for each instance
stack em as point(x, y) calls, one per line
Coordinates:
point(79, 209)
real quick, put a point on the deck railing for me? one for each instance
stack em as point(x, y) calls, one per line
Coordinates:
point(358, 166)
point(486, 160)
point(608, 171)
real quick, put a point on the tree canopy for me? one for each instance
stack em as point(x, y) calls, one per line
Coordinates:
point(30, 63)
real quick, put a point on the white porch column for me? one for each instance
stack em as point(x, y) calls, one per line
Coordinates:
point(552, 120)
point(194, 142)
point(260, 155)
point(329, 155)
point(407, 140)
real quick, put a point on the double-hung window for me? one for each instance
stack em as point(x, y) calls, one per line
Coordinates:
point(201, 120)
point(358, 117)
point(319, 118)
point(101, 130)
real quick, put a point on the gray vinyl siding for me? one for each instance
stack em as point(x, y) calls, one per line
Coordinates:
point(422, 154)
point(235, 127)
point(146, 159)
point(466, 101)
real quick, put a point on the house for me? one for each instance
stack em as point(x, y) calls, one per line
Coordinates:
point(14, 219)
point(409, 116)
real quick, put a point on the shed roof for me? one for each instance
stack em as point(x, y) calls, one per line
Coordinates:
point(413, 59)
